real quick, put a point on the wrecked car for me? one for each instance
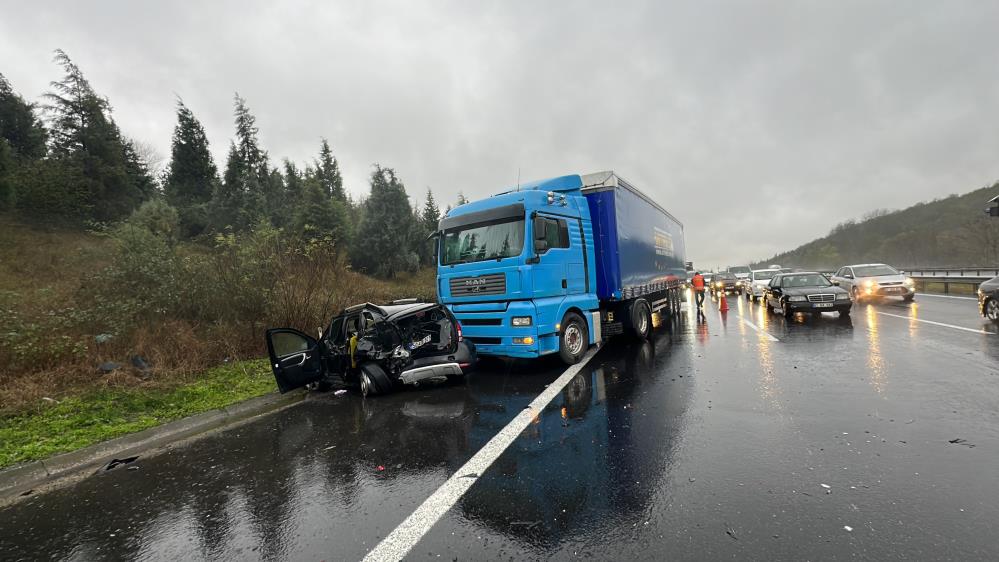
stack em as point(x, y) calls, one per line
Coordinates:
point(375, 348)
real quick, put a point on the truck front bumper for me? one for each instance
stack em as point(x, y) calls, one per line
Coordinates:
point(492, 331)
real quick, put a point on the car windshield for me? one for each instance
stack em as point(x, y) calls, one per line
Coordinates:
point(874, 270)
point(724, 277)
point(478, 242)
point(764, 274)
point(738, 269)
point(804, 280)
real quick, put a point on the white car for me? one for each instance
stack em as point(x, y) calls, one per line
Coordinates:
point(755, 286)
point(869, 280)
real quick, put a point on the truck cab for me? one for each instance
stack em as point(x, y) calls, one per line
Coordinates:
point(513, 266)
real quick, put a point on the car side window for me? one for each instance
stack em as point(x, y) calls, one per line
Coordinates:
point(352, 326)
point(840, 271)
point(335, 333)
point(849, 271)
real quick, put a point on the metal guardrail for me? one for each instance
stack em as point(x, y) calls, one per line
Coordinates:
point(982, 273)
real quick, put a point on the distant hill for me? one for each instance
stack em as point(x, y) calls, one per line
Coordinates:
point(948, 232)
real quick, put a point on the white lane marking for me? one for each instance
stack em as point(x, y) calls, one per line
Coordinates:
point(946, 296)
point(972, 330)
point(760, 330)
point(401, 540)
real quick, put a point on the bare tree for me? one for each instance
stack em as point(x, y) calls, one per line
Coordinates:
point(150, 156)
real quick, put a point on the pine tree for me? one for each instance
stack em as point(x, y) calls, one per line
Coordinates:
point(241, 200)
point(428, 221)
point(383, 244)
point(192, 176)
point(19, 125)
point(328, 173)
point(86, 140)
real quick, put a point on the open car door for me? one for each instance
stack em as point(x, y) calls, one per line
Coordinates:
point(295, 358)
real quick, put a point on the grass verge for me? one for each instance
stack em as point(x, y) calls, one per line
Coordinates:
point(79, 421)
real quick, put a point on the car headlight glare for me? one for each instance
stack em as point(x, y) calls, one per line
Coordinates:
point(909, 282)
point(842, 296)
point(719, 284)
point(521, 321)
point(796, 298)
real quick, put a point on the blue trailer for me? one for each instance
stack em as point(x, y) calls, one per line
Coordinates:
point(556, 265)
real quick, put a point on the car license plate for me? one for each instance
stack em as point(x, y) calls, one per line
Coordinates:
point(823, 305)
point(893, 290)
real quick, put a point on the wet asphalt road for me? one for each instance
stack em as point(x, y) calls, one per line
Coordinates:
point(740, 436)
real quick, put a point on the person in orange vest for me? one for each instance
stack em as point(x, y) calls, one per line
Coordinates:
point(697, 282)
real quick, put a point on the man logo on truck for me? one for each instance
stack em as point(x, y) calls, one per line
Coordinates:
point(475, 285)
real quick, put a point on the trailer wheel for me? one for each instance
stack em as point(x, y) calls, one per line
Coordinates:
point(373, 380)
point(574, 338)
point(641, 319)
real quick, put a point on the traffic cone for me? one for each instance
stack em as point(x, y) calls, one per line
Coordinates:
point(723, 305)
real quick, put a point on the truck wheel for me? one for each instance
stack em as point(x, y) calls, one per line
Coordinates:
point(641, 319)
point(373, 380)
point(574, 339)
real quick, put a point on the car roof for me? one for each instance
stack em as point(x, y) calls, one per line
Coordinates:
point(864, 264)
point(394, 311)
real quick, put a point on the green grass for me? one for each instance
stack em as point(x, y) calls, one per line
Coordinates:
point(80, 421)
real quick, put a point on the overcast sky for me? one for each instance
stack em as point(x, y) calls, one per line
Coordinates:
point(760, 125)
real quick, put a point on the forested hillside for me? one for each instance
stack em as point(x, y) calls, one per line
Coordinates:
point(949, 232)
point(111, 253)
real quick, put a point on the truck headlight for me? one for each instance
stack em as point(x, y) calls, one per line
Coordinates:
point(521, 320)
point(796, 298)
point(843, 296)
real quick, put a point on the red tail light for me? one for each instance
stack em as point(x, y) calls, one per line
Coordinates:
point(459, 330)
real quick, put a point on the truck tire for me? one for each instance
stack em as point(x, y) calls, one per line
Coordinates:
point(373, 380)
point(573, 339)
point(641, 319)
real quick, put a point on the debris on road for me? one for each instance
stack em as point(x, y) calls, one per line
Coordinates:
point(848, 528)
point(340, 392)
point(730, 532)
point(960, 441)
point(118, 462)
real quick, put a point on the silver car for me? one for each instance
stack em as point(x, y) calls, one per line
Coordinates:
point(756, 285)
point(870, 280)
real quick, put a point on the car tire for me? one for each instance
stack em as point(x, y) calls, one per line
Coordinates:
point(641, 319)
point(844, 314)
point(909, 298)
point(373, 380)
point(573, 339)
point(785, 310)
point(992, 309)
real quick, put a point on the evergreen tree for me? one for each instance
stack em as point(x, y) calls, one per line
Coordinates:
point(317, 215)
point(192, 176)
point(85, 139)
point(428, 221)
point(383, 244)
point(328, 173)
point(240, 201)
point(19, 125)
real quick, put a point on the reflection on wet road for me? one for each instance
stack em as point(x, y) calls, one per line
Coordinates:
point(744, 435)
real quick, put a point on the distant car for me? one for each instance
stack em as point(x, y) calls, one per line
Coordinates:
point(725, 282)
point(988, 299)
point(740, 271)
point(806, 291)
point(376, 348)
point(756, 285)
point(870, 280)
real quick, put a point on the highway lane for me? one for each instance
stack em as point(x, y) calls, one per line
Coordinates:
point(717, 439)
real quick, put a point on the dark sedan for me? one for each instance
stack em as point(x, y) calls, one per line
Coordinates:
point(375, 348)
point(988, 299)
point(807, 291)
point(725, 283)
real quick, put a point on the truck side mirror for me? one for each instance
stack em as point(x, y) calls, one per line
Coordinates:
point(540, 246)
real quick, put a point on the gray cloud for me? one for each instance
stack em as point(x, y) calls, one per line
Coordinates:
point(759, 124)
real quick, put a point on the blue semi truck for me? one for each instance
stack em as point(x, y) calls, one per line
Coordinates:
point(554, 266)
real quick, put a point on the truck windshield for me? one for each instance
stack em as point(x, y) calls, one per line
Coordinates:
point(484, 241)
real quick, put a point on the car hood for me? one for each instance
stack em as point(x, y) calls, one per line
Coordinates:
point(804, 291)
point(990, 285)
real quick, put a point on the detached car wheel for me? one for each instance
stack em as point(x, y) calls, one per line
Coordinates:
point(574, 339)
point(373, 380)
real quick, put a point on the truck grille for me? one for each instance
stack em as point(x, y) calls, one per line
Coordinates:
point(492, 284)
point(821, 298)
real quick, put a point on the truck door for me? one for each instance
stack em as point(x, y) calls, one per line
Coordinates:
point(551, 243)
